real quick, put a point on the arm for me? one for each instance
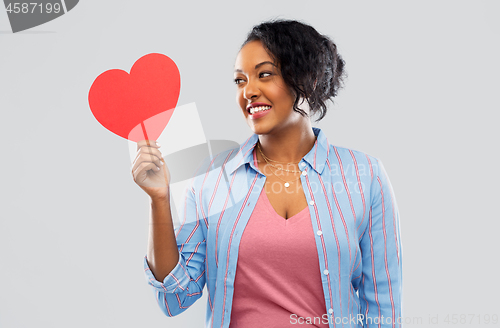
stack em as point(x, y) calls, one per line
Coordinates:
point(380, 290)
point(178, 284)
point(163, 254)
point(175, 268)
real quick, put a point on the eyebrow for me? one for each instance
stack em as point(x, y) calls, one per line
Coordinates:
point(257, 66)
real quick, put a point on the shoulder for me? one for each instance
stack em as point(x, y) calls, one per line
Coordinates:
point(347, 158)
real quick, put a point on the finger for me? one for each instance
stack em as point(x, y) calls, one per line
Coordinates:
point(143, 168)
point(147, 158)
point(149, 150)
point(150, 143)
point(153, 154)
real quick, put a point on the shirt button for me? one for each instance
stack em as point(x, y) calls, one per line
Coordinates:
point(319, 232)
point(248, 204)
point(304, 173)
point(325, 272)
point(302, 164)
point(311, 202)
point(330, 310)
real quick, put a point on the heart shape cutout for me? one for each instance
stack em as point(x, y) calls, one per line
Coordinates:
point(137, 106)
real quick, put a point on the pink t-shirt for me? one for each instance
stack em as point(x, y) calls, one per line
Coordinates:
point(278, 276)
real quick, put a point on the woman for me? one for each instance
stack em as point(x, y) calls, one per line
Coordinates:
point(285, 229)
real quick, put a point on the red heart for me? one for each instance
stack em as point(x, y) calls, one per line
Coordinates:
point(144, 100)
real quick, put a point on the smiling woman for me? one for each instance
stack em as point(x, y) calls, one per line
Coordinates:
point(262, 90)
point(276, 227)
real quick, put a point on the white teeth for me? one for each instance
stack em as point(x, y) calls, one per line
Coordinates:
point(258, 109)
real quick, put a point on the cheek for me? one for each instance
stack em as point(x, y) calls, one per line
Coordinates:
point(285, 97)
point(282, 92)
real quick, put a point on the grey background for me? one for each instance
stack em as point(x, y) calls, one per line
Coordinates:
point(421, 96)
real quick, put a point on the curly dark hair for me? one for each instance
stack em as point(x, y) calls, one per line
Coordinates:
point(309, 62)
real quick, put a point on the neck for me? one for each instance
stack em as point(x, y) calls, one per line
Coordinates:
point(287, 146)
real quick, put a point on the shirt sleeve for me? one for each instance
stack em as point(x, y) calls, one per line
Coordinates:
point(380, 290)
point(184, 284)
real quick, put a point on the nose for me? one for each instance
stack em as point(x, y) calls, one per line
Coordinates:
point(251, 90)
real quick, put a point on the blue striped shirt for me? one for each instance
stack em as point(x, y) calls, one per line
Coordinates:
point(353, 212)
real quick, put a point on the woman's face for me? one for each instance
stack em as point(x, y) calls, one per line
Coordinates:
point(261, 87)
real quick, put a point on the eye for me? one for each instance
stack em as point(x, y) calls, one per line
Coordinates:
point(265, 74)
point(238, 81)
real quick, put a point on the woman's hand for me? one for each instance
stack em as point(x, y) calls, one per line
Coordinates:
point(150, 171)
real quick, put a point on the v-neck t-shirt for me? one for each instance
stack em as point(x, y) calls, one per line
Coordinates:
point(278, 280)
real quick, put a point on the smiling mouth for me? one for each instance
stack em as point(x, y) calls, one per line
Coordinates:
point(253, 110)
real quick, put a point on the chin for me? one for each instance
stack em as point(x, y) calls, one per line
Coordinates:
point(256, 129)
point(259, 129)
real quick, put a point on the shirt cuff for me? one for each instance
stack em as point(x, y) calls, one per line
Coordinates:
point(175, 282)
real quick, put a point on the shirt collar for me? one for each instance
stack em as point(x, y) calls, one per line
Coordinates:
point(316, 157)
